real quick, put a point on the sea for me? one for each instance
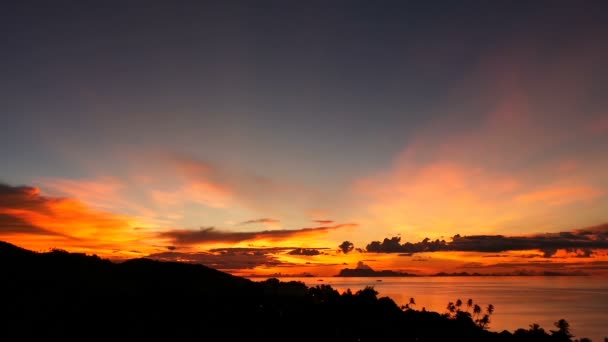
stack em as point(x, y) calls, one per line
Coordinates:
point(519, 301)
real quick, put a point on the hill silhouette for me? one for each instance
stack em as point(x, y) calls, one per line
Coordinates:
point(61, 296)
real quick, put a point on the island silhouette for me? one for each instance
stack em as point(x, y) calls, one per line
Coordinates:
point(62, 296)
point(364, 270)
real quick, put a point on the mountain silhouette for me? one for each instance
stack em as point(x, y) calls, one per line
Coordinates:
point(61, 296)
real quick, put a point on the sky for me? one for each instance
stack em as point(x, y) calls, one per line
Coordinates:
point(257, 137)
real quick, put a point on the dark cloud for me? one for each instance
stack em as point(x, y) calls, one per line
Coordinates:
point(251, 249)
point(10, 224)
point(21, 197)
point(235, 258)
point(581, 242)
point(210, 234)
point(262, 220)
point(346, 247)
point(15, 199)
point(304, 251)
point(222, 260)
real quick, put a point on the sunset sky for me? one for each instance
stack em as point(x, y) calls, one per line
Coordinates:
point(257, 136)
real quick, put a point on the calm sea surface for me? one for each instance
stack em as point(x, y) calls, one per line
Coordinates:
point(518, 301)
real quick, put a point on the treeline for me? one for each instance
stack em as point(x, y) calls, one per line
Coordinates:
point(60, 296)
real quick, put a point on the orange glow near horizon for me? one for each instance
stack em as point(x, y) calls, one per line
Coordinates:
point(71, 225)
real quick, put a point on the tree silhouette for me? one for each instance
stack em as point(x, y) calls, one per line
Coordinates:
point(536, 329)
point(484, 321)
point(451, 308)
point(346, 247)
point(563, 329)
point(409, 305)
point(490, 309)
point(476, 310)
point(469, 304)
point(112, 300)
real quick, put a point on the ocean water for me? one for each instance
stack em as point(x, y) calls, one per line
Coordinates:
point(518, 301)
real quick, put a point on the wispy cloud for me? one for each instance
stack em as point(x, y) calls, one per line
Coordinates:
point(264, 221)
point(248, 190)
point(557, 195)
point(323, 221)
point(212, 235)
point(491, 157)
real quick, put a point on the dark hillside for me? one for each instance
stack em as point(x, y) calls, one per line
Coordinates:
point(61, 296)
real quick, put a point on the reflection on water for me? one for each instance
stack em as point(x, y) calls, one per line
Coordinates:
point(519, 301)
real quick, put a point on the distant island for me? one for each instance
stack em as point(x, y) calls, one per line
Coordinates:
point(363, 270)
point(62, 296)
point(347, 272)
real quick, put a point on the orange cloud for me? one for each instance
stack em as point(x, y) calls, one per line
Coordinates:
point(268, 222)
point(199, 191)
point(560, 195)
point(524, 158)
point(32, 220)
point(105, 194)
point(323, 221)
point(212, 235)
point(250, 192)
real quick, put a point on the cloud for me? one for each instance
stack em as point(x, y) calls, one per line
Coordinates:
point(16, 202)
point(238, 258)
point(557, 195)
point(579, 242)
point(10, 224)
point(346, 247)
point(323, 221)
point(246, 190)
point(268, 221)
point(199, 191)
point(305, 251)
point(226, 260)
point(496, 163)
point(22, 197)
point(111, 194)
point(212, 235)
point(35, 221)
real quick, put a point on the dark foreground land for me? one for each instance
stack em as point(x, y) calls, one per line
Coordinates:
point(60, 296)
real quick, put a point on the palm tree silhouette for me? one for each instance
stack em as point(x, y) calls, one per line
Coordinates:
point(483, 322)
point(490, 309)
point(476, 310)
point(451, 307)
point(458, 304)
point(469, 304)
